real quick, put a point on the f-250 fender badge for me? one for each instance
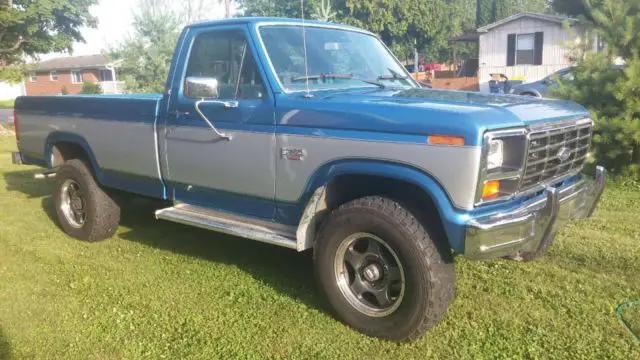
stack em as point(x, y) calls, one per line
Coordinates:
point(292, 154)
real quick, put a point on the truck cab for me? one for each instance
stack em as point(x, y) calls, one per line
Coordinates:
point(312, 136)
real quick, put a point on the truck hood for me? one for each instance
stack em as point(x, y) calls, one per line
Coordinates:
point(421, 111)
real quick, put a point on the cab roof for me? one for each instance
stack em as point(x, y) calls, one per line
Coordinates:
point(273, 20)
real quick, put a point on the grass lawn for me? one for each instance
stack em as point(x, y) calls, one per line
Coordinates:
point(163, 290)
point(6, 104)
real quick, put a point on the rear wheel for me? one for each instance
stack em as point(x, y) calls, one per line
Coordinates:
point(83, 209)
point(381, 270)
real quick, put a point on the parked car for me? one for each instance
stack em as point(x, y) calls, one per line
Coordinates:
point(542, 87)
point(342, 153)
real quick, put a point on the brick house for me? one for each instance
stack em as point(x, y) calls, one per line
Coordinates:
point(51, 76)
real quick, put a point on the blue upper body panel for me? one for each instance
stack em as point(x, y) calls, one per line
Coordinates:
point(418, 112)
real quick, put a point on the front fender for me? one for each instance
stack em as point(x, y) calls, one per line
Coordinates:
point(453, 219)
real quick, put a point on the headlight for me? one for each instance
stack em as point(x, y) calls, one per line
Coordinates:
point(502, 165)
point(496, 154)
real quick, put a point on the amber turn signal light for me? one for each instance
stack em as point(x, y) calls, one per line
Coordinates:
point(446, 140)
point(491, 189)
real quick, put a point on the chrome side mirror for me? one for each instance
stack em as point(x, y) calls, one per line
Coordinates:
point(201, 87)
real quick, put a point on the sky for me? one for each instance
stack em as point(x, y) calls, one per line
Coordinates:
point(114, 22)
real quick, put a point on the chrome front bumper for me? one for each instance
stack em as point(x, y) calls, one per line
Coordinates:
point(531, 226)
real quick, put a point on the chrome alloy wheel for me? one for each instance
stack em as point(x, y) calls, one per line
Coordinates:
point(369, 274)
point(73, 204)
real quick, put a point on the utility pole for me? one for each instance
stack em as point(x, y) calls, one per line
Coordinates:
point(416, 57)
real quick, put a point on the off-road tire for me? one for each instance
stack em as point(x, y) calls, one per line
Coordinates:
point(429, 271)
point(102, 213)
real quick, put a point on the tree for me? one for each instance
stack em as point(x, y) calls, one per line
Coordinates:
point(278, 8)
point(196, 10)
point(91, 88)
point(30, 28)
point(489, 11)
point(573, 8)
point(611, 93)
point(146, 53)
point(323, 11)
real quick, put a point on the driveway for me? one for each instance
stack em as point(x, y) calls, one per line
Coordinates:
point(6, 115)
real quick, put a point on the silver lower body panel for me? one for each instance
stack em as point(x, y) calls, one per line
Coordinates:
point(531, 226)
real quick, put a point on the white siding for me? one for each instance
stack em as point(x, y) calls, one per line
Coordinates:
point(11, 91)
point(493, 50)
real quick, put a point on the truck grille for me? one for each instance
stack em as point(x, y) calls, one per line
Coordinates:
point(555, 152)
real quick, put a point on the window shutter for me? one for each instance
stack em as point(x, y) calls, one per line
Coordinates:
point(511, 49)
point(539, 42)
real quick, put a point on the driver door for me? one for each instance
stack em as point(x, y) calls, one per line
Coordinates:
point(227, 162)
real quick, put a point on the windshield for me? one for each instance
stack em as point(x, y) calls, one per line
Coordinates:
point(335, 59)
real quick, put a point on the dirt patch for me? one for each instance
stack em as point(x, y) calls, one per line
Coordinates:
point(6, 130)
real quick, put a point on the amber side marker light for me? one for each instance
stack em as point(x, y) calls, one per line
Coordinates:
point(491, 189)
point(446, 140)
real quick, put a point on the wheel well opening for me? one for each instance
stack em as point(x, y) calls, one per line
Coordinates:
point(64, 151)
point(350, 187)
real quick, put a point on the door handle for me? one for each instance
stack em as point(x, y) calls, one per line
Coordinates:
point(178, 113)
point(226, 104)
point(230, 104)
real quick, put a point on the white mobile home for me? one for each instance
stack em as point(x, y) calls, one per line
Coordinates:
point(527, 45)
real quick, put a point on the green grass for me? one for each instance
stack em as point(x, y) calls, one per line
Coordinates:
point(6, 104)
point(631, 315)
point(162, 290)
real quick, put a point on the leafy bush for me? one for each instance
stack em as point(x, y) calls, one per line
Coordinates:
point(610, 92)
point(64, 90)
point(91, 88)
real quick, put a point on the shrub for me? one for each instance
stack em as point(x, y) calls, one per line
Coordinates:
point(611, 93)
point(64, 90)
point(91, 88)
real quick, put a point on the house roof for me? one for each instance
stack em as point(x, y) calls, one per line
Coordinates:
point(73, 62)
point(540, 16)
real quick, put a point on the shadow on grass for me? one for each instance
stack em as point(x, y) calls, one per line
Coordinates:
point(24, 182)
point(5, 347)
point(282, 269)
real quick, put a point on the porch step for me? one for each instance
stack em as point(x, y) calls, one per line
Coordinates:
point(250, 228)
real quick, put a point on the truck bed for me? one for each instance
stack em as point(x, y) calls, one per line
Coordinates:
point(110, 127)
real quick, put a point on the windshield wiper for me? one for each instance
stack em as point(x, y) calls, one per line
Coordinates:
point(393, 76)
point(336, 76)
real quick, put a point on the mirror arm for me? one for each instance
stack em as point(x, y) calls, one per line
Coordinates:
point(226, 104)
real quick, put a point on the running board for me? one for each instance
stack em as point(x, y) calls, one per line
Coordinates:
point(245, 227)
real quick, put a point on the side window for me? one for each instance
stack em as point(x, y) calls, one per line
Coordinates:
point(226, 56)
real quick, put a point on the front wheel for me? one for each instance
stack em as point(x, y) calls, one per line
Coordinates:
point(382, 271)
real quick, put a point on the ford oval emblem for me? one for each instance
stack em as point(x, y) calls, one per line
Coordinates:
point(563, 154)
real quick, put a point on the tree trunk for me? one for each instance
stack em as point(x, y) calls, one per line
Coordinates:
point(227, 9)
point(635, 156)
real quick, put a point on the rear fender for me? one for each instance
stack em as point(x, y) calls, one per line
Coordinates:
point(59, 136)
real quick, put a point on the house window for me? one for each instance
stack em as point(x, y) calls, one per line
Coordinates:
point(76, 76)
point(525, 47)
point(53, 75)
point(106, 75)
point(32, 76)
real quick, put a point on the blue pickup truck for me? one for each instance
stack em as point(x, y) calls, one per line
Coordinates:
point(312, 136)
